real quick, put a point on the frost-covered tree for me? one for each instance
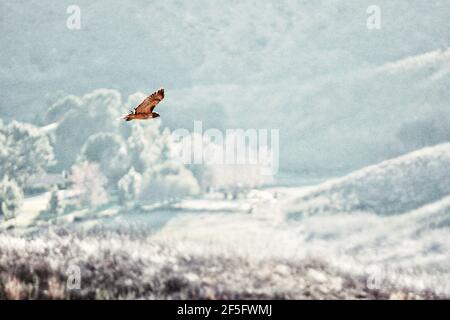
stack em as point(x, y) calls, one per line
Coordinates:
point(11, 198)
point(95, 112)
point(88, 184)
point(130, 186)
point(25, 151)
point(109, 151)
point(144, 145)
point(136, 159)
point(56, 203)
point(168, 180)
point(214, 174)
point(164, 176)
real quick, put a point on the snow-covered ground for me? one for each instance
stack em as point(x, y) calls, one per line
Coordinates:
point(386, 224)
point(29, 211)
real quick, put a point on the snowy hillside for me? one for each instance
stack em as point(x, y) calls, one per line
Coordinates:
point(391, 187)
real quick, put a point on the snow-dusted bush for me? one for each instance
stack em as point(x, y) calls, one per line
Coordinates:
point(25, 151)
point(123, 266)
point(168, 180)
point(151, 154)
point(56, 203)
point(214, 173)
point(130, 186)
point(11, 198)
point(109, 151)
point(148, 145)
point(88, 185)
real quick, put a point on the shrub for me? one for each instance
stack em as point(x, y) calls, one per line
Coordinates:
point(26, 151)
point(11, 198)
point(56, 203)
point(129, 186)
point(88, 184)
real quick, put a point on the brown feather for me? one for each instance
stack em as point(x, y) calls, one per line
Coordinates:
point(149, 103)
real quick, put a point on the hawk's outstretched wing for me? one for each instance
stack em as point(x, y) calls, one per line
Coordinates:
point(150, 102)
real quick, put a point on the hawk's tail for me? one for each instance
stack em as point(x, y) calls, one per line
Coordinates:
point(125, 117)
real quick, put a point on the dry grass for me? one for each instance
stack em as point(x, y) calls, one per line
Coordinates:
point(118, 266)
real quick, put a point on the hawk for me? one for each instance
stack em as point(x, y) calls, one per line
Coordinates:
point(144, 111)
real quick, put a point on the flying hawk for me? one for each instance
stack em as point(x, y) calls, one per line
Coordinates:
point(144, 111)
